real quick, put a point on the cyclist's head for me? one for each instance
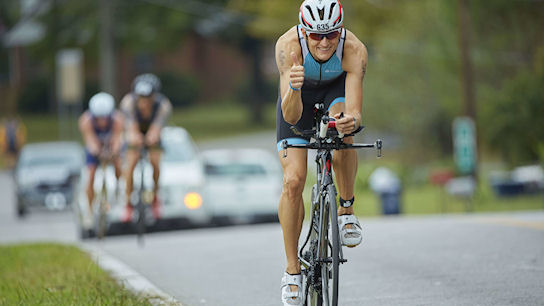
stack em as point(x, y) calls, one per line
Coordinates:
point(145, 85)
point(321, 21)
point(101, 105)
point(321, 16)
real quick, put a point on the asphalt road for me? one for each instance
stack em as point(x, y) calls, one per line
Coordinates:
point(480, 259)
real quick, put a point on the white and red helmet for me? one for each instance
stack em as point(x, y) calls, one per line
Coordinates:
point(321, 16)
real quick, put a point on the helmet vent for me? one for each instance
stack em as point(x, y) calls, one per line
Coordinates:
point(311, 13)
point(332, 7)
point(321, 13)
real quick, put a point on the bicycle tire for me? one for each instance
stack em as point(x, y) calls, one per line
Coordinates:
point(335, 243)
point(313, 295)
point(323, 254)
point(101, 230)
point(140, 224)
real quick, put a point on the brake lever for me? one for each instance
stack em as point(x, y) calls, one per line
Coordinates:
point(340, 135)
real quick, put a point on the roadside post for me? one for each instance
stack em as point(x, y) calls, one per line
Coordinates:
point(70, 88)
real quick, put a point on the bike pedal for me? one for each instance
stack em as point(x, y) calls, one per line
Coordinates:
point(343, 261)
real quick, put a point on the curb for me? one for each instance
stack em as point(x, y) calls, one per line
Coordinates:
point(129, 278)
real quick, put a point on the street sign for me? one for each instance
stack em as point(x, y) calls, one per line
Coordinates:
point(464, 144)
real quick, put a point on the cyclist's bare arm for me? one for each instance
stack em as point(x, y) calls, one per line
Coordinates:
point(354, 64)
point(154, 133)
point(116, 133)
point(128, 107)
point(89, 137)
point(291, 104)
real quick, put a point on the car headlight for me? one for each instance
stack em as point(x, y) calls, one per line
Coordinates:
point(193, 200)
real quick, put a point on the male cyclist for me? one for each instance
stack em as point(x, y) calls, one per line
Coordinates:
point(318, 60)
point(101, 127)
point(146, 111)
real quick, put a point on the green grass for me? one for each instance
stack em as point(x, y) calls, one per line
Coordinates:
point(54, 274)
point(222, 120)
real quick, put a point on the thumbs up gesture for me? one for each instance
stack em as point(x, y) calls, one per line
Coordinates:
point(296, 77)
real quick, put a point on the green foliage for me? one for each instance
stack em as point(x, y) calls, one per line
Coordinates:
point(514, 115)
point(181, 89)
point(148, 27)
point(35, 100)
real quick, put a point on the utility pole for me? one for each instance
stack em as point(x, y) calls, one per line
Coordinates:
point(464, 23)
point(465, 139)
point(107, 48)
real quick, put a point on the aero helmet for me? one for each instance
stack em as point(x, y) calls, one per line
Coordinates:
point(321, 16)
point(146, 84)
point(101, 104)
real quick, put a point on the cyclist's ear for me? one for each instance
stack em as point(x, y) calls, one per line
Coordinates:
point(294, 58)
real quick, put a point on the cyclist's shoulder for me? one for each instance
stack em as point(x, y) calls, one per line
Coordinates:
point(128, 101)
point(353, 44)
point(288, 38)
point(355, 53)
point(85, 118)
point(117, 116)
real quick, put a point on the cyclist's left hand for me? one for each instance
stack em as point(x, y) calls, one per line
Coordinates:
point(152, 137)
point(346, 124)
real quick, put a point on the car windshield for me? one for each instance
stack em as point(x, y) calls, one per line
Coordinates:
point(235, 169)
point(178, 151)
point(50, 158)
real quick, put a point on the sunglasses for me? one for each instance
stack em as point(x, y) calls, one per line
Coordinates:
point(319, 36)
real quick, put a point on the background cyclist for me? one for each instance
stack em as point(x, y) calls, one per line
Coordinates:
point(146, 111)
point(318, 60)
point(101, 127)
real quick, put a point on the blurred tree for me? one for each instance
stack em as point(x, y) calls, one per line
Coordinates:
point(515, 125)
point(182, 89)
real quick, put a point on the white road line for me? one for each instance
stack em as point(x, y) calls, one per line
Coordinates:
point(128, 277)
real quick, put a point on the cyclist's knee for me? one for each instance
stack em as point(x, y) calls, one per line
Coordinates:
point(293, 185)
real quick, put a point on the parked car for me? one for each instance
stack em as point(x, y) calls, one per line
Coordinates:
point(180, 186)
point(46, 175)
point(242, 185)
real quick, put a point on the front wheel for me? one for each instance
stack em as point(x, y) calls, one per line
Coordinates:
point(331, 270)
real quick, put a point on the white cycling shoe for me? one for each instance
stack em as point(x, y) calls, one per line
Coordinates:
point(350, 237)
point(288, 297)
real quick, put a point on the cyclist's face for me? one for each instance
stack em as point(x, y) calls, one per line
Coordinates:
point(102, 122)
point(145, 104)
point(322, 49)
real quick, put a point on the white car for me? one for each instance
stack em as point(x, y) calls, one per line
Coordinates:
point(242, 184)
point(181, 185)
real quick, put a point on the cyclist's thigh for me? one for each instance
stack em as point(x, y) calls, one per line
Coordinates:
point(132, 157)
point(294, 165)
point(90, 160)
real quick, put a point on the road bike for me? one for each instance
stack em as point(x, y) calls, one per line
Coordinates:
point(321, 254)
point(141, 199)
